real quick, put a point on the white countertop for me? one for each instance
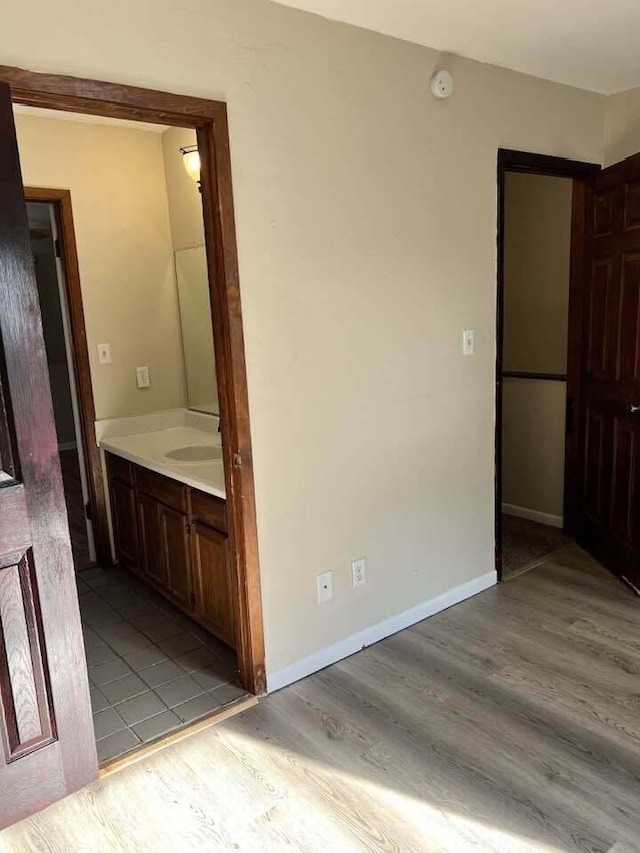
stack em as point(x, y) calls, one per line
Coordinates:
point(149, 448)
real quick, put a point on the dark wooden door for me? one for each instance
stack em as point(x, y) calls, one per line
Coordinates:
point(174, 531)
point(47, 747)
point(610, 417)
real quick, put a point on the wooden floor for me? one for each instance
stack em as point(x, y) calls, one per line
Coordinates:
point(509, 723)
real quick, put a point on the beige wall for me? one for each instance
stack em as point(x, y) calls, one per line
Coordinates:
point(537, 240)
point(366, 218)
point(622, 137)
point(118, 191)
point(533, 417)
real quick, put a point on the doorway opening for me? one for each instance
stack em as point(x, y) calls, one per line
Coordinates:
point(541, 239)
point(51, 235)
point(158, 627)
point(173, 631)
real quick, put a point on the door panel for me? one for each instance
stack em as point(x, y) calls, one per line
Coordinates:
point(603, 213)
point(623, 510)
point(175, 554)
point(47, 747)
point(150, 540)
point(599, 314)
point(594, 468)
point(8, 453)
point(628, 350)
point(28, 722)
point(632, 205)
point(212, 582)
point(610, 417)
point(125, 528)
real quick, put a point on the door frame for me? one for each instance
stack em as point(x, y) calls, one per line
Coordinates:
point(61, 201)
point(209, 119)
point(581, 173)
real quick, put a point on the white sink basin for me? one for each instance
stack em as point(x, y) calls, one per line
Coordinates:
point(194, 453)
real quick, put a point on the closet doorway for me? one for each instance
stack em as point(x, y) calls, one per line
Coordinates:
point(541, 244)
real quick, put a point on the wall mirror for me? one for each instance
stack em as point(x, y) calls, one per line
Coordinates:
point(197, 330)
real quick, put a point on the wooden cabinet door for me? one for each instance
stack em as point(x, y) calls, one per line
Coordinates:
point(47, 746)
point(152, 559)
point(125, 529)
point(212, 582)
point(174, 543)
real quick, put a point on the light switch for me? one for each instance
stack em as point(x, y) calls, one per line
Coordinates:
point(468, 341)
point(104, 353)
point(142, 377)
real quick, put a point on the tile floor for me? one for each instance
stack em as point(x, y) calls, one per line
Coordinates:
point(151, 669)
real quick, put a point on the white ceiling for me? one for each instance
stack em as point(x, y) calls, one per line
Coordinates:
point(589, 44)
point(87, 118)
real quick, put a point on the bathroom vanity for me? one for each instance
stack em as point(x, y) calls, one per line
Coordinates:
point(170, 528)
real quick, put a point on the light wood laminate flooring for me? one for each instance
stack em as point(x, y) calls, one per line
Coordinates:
point(509, 723)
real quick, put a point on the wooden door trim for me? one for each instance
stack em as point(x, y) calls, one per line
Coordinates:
point(209, 118)
point(61, 200)
point(581, 173)
point(529, 163)
point(96, 97)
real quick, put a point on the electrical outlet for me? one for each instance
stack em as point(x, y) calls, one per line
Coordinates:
point(325, 587)
point(358, 572)
point(142, 377)
point(104, 353)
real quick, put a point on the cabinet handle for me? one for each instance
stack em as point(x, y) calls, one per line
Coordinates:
point(634, 408)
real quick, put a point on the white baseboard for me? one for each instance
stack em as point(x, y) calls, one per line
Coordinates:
point(67, 445)
point(533, 515)
point(356, 642)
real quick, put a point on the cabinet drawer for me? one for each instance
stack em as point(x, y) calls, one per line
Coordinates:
point(169, 492)
point(119, 469)
point(209, 510)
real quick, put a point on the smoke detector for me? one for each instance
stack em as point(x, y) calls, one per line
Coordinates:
point(442, 84)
